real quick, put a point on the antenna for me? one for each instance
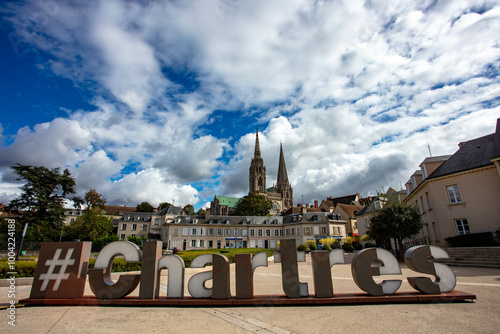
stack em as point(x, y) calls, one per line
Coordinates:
point(429, 148)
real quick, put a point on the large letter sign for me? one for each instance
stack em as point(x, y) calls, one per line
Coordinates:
point(418, 259)
point(62, 271)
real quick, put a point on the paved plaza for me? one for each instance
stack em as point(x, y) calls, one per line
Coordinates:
point(480, 316)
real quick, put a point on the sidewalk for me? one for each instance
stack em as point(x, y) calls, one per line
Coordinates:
point(480, 316)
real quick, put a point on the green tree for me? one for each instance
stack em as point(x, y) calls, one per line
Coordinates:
point(144, 207)
point(136, 240)
point(94, 200)
point(92, 225)
point(253, 204)
point(395, 220)
point(42, 199)
point(164, 205)
point(201, 212)
point(188, 210)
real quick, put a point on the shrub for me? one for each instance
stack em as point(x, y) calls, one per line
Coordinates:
point(335, 244)
point(357, 245)
point(303, 248)
point(472, 240)
point(347, 247)
point(326, 241)
point(23, 269)
point(99, 243)
point(313, 247)
point(327, 247)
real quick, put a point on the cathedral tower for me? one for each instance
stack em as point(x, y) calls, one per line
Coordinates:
point(282, 185)
point(257, 173)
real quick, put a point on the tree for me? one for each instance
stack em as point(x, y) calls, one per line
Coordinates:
point(188, 210)
point(92, 225)
point(144, 207)
point(94, 200)
point(42, 199)
point(201, 212)
point(395, 220)
point(164, 205)
point(253, 204)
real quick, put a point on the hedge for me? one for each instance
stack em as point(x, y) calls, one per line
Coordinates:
point(483, 239)
point(27, 268)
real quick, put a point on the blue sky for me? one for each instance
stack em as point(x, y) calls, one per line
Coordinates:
point(159, 101)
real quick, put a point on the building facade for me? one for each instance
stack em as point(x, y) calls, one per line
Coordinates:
point(459, 194)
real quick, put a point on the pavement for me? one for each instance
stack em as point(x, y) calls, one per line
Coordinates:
point(480, 316)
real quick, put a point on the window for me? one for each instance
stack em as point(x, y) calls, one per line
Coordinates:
point(268, 233)
point(210, 232)
point(323, 230)
point(193, 231)
point(185, 231)
point(236, 232)
point(144, 227)
point(252, 232)
point(157, 221)
point(287, 231)
point(193, 243)
point(219, 232)
point(356, 225)
point(134, 227)
point(462, 226)
point(122, 236)
point(338, 230)
point(124, 227)
point(243, 232)
point(259, 232)
point(308, 230)
point(176, 231)
point(228, 221)
point(454, 194)
point(298, 230)
point(227, 232)
point(428, 200)
point(202, 243)
point(282, 232)
point(422, 204)
point(276, 233)
point(210, 244)
point(292, 230)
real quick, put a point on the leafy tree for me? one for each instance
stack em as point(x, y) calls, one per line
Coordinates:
point(42, 200)
point(201, 212)
point(253, 204)
point(136, 240)
point(92, 225)
point(94, 200)
point(188, 210)
point(144, 207)
point(164, 205)
point(395, 220)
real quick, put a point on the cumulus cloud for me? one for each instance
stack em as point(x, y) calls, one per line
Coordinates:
point(354, 91)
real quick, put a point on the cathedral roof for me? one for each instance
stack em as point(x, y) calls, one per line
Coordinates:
point(282, 174)
point(231, 202)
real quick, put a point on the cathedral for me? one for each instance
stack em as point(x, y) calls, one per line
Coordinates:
point(281, 194)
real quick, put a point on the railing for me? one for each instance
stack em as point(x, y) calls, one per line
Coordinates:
point(416, 242)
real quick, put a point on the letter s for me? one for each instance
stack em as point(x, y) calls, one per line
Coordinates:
point(418, 259)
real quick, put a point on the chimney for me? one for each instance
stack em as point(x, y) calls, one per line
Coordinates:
point(316, 203)
point(307, 205)
point(498, 126)
point(464, 142)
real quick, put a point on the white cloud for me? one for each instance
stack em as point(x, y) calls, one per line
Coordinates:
point(353, 90)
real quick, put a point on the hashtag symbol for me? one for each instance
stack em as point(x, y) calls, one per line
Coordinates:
point(61, 275)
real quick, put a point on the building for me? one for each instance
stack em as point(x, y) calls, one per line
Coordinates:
point(223, 205)
point(459, 194)
point(313, 226)
point(363, 216)
point(348, 214)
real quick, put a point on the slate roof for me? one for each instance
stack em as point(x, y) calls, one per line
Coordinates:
point(351, 210)
point(473, 154)
point(171, 210)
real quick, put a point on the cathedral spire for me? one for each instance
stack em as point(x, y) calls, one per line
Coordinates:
point(256, 153)
point(282, 174)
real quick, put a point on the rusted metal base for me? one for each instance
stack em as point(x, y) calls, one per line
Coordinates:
point(267, 300)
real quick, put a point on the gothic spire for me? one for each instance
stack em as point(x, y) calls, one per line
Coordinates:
point(256, 153)
point(282, 174)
